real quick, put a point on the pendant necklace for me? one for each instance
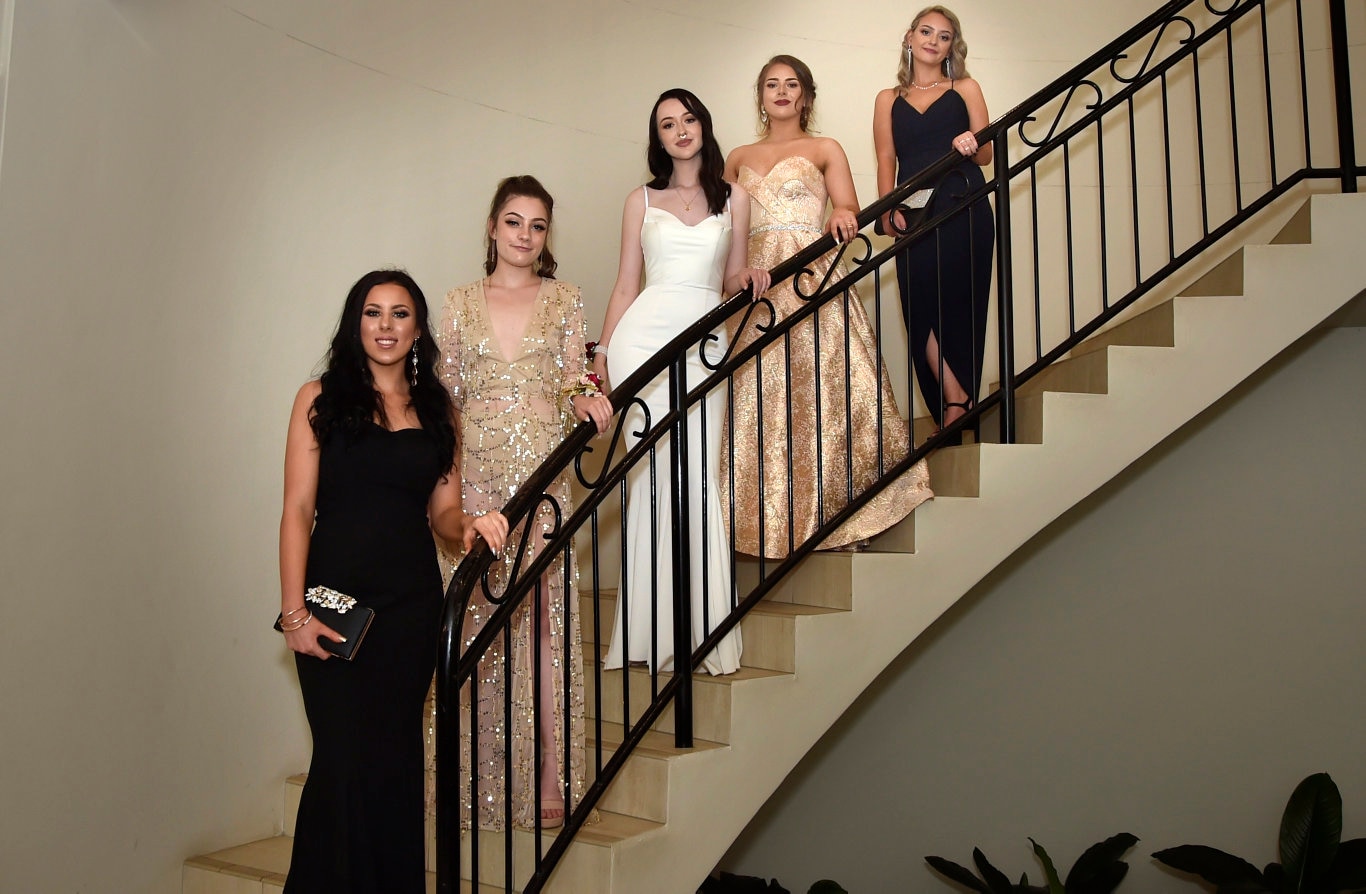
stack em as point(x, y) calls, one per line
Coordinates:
point(687, 203)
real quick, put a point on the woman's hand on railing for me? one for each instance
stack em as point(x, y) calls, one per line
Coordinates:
point(491, 526)
point(593, 406)
point(754, 278)
point(966, 143)
point(843, 225)
point(893, 223)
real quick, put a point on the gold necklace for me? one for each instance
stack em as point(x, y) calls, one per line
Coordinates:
point(687, 203)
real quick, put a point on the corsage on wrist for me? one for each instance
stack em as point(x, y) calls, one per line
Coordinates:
point(588, 384)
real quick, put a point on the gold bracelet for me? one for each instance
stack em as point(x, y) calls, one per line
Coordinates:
point(293, 611)
point(297, 625)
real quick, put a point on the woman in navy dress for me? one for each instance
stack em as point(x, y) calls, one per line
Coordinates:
point(370, 474)
point(945, 278)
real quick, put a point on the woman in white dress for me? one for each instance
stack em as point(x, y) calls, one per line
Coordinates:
point(686, 230)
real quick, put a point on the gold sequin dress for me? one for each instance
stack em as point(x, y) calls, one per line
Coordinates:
point(513, 413)
point(787, 208)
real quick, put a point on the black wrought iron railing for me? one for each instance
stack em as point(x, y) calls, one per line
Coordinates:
point(1102, 185)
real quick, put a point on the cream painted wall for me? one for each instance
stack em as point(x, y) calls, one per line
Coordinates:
point(187, 190)
point(1169, 659)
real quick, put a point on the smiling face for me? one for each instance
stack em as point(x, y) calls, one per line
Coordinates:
point(388, 324)
point(519, 231)
point(781, 94)
point(679, 131)
point(930, 39)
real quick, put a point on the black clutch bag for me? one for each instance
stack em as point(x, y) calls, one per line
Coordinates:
point(343, 614)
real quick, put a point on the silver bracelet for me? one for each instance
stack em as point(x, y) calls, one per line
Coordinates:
point(599, 348)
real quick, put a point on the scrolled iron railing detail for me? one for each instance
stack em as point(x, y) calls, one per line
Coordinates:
point(1152, 48)
point(1073, 250)
point(1061, 112)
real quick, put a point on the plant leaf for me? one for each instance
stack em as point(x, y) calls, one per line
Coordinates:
point(1050, 874)
point(996, 879)
point(1096, 861)
point(1310, 830)
point(1348, 872)
point(959, 874)
point(1103, 882)
point(1211, 864)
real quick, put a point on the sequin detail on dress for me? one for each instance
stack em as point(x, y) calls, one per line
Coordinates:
point(787, 207)
point(513, 413)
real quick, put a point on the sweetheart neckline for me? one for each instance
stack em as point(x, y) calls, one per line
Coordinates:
point(776, 164)
point(679, 220)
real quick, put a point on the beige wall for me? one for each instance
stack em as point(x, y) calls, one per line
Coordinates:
point(186, 191)
point(1169, 659)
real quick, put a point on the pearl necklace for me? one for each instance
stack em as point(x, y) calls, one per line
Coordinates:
point(926, 86)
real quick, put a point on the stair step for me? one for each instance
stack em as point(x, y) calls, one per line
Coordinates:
point(769, 630)
point(822, 579)
point(260, 867)
point(1154, 328)
point(641, 789)
point(957, 471)
point(587, 862)
point(711, 697)
point(922, 427)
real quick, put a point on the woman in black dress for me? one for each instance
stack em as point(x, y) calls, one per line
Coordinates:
point(945, 278)
point(370, 473)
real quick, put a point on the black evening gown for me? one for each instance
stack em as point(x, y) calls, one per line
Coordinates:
point(945, 278)
point(360, 822)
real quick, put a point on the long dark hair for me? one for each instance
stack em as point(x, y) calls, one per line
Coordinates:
point(349, 400)
point(529, 187)
point(710, 178)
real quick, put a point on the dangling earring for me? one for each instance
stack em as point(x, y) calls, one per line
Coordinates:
point(414, 378)
point(763, 116)
point(910, 59)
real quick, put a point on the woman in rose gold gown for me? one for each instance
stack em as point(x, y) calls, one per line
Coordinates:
point(837, 449)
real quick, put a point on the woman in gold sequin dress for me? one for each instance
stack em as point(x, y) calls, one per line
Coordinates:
point(788, 175)
point(513, 356)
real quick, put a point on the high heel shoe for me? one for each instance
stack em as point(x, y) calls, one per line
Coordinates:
point(957, 439)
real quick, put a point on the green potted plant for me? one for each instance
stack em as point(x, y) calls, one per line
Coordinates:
point(1098, 871)
point(1314, 860)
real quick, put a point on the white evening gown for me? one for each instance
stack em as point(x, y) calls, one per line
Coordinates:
point(684, 269)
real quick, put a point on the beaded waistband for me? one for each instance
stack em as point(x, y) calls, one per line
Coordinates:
point(806, 228)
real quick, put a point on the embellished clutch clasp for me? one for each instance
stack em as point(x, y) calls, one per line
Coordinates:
point(330, 598)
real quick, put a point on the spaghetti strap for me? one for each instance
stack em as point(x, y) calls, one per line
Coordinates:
point(645, 190)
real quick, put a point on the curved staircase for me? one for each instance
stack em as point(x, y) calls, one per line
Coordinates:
point(828, 630)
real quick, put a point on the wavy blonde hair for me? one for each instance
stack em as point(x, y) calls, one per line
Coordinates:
point(955, 64)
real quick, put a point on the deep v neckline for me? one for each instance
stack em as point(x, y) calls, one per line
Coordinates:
point(926, 110)
point(526, 324)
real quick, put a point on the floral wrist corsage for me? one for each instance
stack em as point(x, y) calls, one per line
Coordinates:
point(588, 383)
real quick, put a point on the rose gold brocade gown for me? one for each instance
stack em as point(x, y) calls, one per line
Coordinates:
point(807, 484)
